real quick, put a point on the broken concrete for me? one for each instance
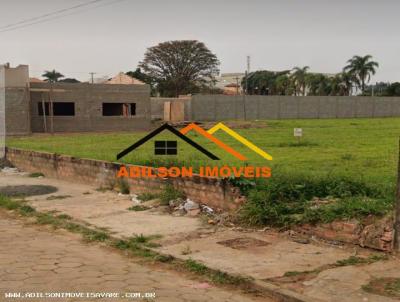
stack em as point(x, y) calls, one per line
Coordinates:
point(259, 254)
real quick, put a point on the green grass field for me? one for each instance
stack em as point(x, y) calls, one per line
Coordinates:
point(364, 150)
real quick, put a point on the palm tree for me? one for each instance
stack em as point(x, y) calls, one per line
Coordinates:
point(283, 85)
point(347, 80)
point(299, 78)
point(52, 76)
point(318, 84)
point(361, 68)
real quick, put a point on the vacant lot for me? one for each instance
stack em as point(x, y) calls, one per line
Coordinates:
point(350, 162)
point(362, 148)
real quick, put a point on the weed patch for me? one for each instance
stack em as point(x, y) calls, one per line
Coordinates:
point(170, 193)
point(137, 208)
point(147, 196)
point(283, 201)
point(195, 266)
point(26, 210)
point(93, 235)
point(55, 197)
point(64, 216)
point(352, 260)
point(123, 186)
point(389, 287)
point(36, 174)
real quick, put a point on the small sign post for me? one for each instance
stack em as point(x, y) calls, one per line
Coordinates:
point(298, 132)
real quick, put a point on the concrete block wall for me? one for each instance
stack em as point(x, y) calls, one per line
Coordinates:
point(88, 99)
point(14, 85)
point(221, 107)
point(214, 192)
point(17, 111)
point(2, 112)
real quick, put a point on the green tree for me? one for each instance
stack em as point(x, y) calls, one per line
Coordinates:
point(264, 82)
point(347, 80)
point(69, 80)
point(393, 89)
point(52, 76)
point(299, 76)
point(318, 84)
point(284, 85)
point(361, 67)
point(141, 76)
point(180, 67)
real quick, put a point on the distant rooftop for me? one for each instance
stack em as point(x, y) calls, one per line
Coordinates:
point(122, 78)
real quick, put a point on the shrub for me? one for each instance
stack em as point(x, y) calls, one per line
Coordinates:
point(285, 200)
point(123, 186)
point(170, 193)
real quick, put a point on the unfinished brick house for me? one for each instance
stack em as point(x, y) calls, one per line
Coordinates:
point(34, 106)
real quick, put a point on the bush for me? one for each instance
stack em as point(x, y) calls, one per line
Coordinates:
point(123, 186)
point(170, 193)
point(286, 200)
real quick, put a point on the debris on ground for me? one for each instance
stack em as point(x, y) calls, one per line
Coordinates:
point(5, 163)
point(185, 207)
point(207, 209)
point(190, 205)
point(134, 198)
point(176, 202)
point(10, 170)
point(152, 203)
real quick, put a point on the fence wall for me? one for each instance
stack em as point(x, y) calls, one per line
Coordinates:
point(220, 107)
point(214, 192)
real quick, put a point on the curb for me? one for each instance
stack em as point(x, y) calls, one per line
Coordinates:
point(282, 294)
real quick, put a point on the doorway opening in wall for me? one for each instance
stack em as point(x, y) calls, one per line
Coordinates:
point(59, 108)
point(119, 109)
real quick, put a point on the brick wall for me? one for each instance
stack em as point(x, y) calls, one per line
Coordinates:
point(214, 192)
point(374, 233)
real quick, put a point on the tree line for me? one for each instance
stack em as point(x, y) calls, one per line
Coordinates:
point(182, 67)
point(299, 81)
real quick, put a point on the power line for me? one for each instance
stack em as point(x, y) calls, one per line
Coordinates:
point(49, 14)
point(39, 19)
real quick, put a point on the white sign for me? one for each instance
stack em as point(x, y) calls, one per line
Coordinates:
point(298, 132)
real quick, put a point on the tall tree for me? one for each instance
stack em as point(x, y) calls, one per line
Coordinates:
point(347, 80)
point(299, 77)
point(361, 67)
point(139, 75)
point(264, 82)
point(318, 84)
point(393, 89)
point(52, 76)
point(180, 67)
point(284, 85)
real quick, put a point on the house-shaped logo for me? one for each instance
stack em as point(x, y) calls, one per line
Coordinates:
point(170, 147)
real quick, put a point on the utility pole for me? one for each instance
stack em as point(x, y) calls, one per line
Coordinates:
point(91, 76)
point(247, 87)
point(396, 226)
point(237, 85)
point(51, 110)
point(247, 72)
